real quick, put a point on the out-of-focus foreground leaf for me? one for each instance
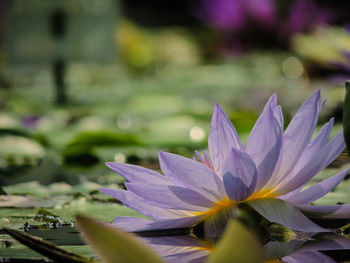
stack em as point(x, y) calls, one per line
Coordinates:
point(46, 248)
point(113, 245)
point(346, 116)
point(237, 245)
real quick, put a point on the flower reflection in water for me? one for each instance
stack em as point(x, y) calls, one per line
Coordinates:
point(190, 249)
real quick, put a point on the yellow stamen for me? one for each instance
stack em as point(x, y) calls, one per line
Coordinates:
point(225, 203)
point(261, 194)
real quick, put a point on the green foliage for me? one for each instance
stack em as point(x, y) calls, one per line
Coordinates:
point(237, 245)
point(113, 245)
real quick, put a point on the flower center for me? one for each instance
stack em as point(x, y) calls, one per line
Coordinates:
point(226, 203)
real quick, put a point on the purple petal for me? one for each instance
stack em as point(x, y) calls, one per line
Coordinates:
point(194, 256)
point(317, 163)
point(134, 202)
point(308, 256)
point(172, 197)
point(333, 242)
point(264, 143)
point(222, 137)
point(131, 224)
point(291, 194)
point(296, 137)
point(275, 250)
point(281, 212)
point(134, 224)
point(176, 243)
point(326, 211)
point(134, 173)
point(337, 146)
point(191, 174)
point(318, 190)
point(239, 175)
point(314, 147)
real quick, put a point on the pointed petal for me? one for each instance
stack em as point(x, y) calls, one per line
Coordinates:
point(281, 212)
point(317, 163)
point(296, 137)
point(321, 138)
point(134, 224)
point(222, 137)
point(172, 197)
point(337, 147)
point(190, 174)
point(134, 173)
point(318, 190)
point(264, 143)
point(313, 148)
point(326, 211)
point(134, 202)
point(291, 194)
point(239, 175)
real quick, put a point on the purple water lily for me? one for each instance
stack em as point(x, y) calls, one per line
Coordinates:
point(268, 174)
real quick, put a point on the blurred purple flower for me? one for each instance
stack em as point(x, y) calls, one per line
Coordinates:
point(305, 15)
point(268, 174)
point(30, 121)
point(233, 15)
point(252, 22)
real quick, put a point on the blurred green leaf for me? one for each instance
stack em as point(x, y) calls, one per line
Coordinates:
point(46, 248)
point(114, 245)
point(237, 245)
point(81, 148)
point(346, 115)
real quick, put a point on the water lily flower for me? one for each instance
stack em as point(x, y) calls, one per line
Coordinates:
point(268, 174)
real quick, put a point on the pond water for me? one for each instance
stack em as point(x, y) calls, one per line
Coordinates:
point(184, 245)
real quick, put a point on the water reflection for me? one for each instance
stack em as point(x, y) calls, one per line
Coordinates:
point(184, 245)
point(319, 248)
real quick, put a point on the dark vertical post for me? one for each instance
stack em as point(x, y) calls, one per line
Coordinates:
point(346, 116)
point(58, 23)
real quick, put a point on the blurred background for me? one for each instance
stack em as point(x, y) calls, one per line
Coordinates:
point(84, 82)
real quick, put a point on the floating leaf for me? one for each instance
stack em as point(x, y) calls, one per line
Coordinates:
point(237, 245)
point(114, 245)
point(22, 201)
point(44, 215)
point(46, 248)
